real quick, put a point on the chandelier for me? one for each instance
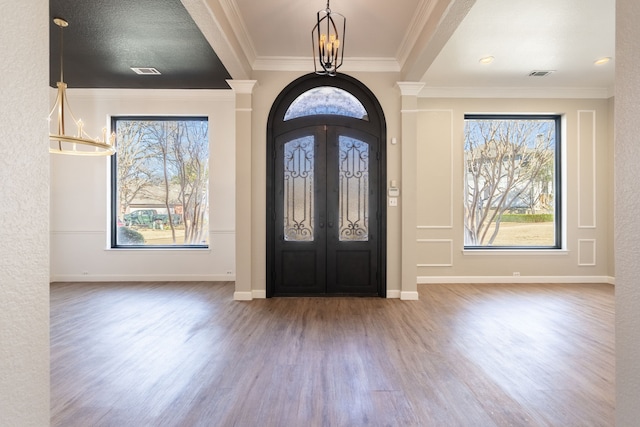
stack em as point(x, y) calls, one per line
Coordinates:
point(79, 144)
point(328, 42)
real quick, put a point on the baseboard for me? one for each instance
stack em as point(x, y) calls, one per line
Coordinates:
point(249, 295)
point(409, 296)
point(143, 278)
point(393, 293)
point(242, 296)
point(515, 279)
point(259, 294)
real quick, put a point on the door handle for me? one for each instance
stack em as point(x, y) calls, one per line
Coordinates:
point(330, 224)
point(321, 225)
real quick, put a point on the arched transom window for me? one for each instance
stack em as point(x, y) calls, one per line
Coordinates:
point(326, 100)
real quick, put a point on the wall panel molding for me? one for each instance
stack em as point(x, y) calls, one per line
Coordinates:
point(434, 150)
point(586, 252)
point(586, 168)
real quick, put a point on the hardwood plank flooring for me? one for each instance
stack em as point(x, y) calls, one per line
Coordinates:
point(186, 354)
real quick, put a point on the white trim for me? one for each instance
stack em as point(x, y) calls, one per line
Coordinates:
point(242, 86)
point(416, 26)
point(593, 255)
point(152, 94)
point(305, 64)
point(410, 89)
point(593, 169)
point(259, 294)
point(516, 252)
point(450, 241)
point(515, 92)
point(409, 295)
point(249, 296)
point(422, 280)
point(451, 169)
point(393, 293)
point(233, 15)
point(242, 296)
point(142, 278)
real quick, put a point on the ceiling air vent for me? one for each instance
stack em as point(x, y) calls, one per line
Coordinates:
point(540, 73)
point(147, 71)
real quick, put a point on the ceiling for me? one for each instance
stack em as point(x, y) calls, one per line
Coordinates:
point(202, 43)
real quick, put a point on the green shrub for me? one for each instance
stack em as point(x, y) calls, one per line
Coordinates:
point(527, 218)
point(128, 236)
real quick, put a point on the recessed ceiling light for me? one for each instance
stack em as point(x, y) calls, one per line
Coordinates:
point(486, 59)
point(602, 61)
point(147, 71)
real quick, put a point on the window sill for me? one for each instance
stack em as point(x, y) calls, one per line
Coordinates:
point(516, 252)
point(163, 249)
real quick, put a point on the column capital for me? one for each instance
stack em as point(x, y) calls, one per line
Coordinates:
point(242, 86)
point(410, 88)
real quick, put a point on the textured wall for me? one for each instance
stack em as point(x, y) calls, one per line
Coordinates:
point(627, 206)
point(24, 211)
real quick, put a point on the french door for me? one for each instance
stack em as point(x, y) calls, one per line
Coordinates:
point(326, 213)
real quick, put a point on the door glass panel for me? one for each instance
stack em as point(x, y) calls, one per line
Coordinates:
point(298, 189)
point(354, 189)
point(326, 100)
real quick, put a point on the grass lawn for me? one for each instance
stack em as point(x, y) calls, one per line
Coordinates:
point(525, 234)
point(161, 237)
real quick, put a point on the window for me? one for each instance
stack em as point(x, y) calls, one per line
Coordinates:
point(160, 182)
point(512, 197)
point(326, 100)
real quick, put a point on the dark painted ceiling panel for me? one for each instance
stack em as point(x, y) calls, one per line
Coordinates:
point(105, 38)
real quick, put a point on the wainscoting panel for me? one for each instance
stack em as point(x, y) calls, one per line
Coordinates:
point(435, 252)
point(586, 252)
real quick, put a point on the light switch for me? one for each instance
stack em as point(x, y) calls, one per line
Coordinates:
point(393, 201)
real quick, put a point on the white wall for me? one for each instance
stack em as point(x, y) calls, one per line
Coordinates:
point(586, 190)
point(80, 194)
point(627, 207)
point(24, 210)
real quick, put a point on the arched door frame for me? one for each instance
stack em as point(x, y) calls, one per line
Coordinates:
point(276, 125)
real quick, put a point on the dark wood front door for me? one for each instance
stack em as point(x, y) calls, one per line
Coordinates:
point(326, 212)
point(326, 163)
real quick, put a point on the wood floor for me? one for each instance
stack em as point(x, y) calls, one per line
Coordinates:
point(186, 354)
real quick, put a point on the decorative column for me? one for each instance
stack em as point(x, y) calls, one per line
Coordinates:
point(243, 90)
point(409, 143)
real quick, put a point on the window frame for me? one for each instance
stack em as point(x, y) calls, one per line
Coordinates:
point(113, 196)
point(557, 181)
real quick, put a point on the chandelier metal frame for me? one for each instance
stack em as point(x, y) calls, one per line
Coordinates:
point(328, 46)
point(80, 144)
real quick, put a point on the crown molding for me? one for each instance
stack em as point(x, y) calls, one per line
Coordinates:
point(410, 88)
point(122, 94)
point(242, 86)
point(517, 92)
point(376, 65)
point(232, 12)
point(419, 21)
